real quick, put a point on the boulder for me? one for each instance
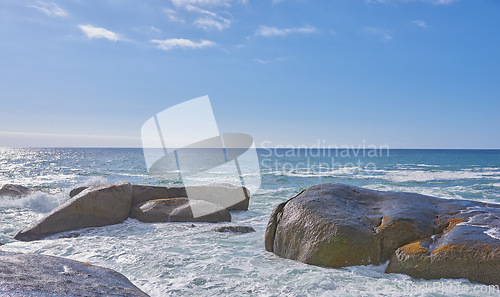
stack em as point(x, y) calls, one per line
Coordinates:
point(234, 229)
point(463, 249)
point(16, 191)
point(337, 225)
point(96, 206)
point(76, 191)
point(178, 210)
point(40, 275)
point(227, 195)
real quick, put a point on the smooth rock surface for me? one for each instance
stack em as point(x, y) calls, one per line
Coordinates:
point(16, 191)
point(229, 196)
point(337, 225)
point(143, 193)
point(178, 210)
point(40, 275)
point(96, 206)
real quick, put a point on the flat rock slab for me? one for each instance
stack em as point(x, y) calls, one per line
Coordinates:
point(234, 229)
point(40, 275)
point(179, 210)
point(96, 206)
point(338, 225)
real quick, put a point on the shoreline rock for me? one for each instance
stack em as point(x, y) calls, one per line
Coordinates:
point(338, 225)
point(234, 229)
point(13, 191)
point(36, 275)
point(178, 210)
point(96, 206)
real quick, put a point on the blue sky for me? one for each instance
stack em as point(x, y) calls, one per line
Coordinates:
point(402, 73)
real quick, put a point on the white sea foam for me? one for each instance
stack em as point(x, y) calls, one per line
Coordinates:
point(421, 175)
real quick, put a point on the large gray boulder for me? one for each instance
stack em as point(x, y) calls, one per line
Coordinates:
point(337, 225)
point(96, 206)
point(178, 210)
point(40, 275)
point(227, 195)
point(16, 191)
point(143, 193)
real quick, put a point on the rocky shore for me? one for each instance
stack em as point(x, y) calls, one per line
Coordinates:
point(338, 225)
point(109, 204)
point(102, 205)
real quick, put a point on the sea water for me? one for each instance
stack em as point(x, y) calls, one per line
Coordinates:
point(177, 259)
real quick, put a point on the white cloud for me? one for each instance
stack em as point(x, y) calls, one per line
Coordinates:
point(169, 44)
point(420, 23)
point(173, 16)
point(210, 20)
point(50, 9)
point(154, 30)
point(95, 33)
point(280, 59)
point(379, 32)
point(266, 31)
point(208, 24)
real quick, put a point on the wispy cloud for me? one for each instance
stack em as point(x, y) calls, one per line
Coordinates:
point(154, 30)
point(266, 31)
point(266, 61)
point(378, 32)
point(419, 23)
point(169, 44)
point(49, 8)
point(435, 2)
point(173, 16)
point(210, 20)
point(100, 33)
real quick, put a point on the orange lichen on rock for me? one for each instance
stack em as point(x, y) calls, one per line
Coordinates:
point(452, 222)
point(383, 224)
point(449, 248)
point(415, 248)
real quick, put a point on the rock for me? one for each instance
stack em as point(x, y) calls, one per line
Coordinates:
point(234, 229)
point(70, 235)
point(16, 191)
point(178, 210)
point(76, 191)
point(227, 195)
point(141, 194)
point(337, 225)
point(94, 207)
point(40, 275)
point(460, 250)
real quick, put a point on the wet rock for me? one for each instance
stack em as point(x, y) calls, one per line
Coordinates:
point(16, 191)
point(337, 225)
point(178, 210)
point(234, 229)
point(94, 207)
point(40, 275)
point(70, 235)
point(76, 191)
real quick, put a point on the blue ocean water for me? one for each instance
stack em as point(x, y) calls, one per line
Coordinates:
point(174, 259)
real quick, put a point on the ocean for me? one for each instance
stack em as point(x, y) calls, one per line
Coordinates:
point(176, 259)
